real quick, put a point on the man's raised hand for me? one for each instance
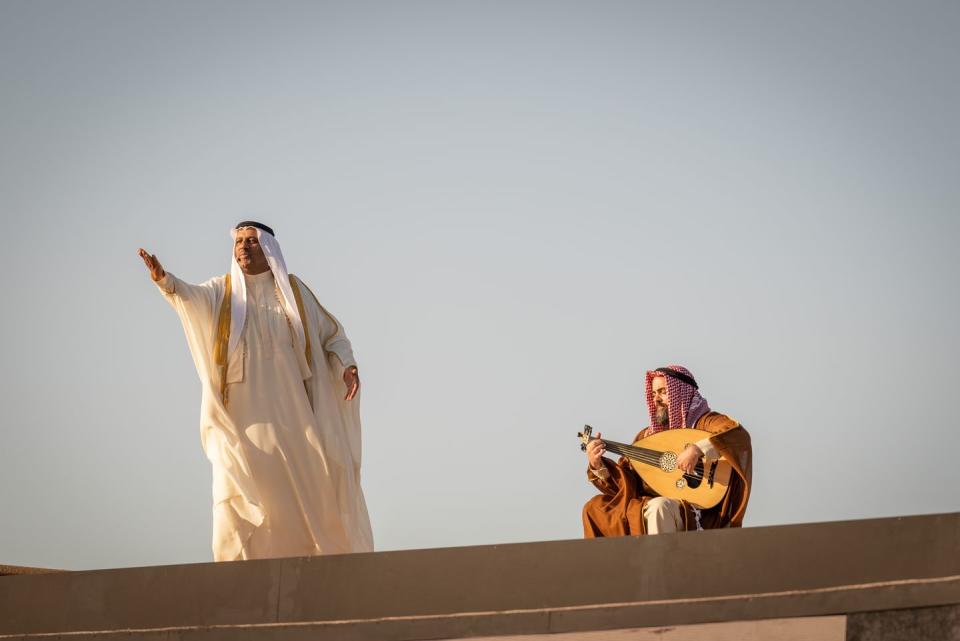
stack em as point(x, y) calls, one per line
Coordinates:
point(156, 269)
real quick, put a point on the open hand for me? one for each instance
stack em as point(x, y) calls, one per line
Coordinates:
point(352, 380)
point(156, 269)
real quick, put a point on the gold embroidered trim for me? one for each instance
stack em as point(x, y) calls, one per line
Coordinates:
point(223, 338)
point(303, 318)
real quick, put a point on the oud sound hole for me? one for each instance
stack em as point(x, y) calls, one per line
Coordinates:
point(694, 480)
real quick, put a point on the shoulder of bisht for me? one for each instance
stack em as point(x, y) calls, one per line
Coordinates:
point(716, 423)
point(296, 284)
point(305, 288)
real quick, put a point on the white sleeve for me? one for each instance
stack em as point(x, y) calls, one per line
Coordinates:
point(170, 285)
point(340, 345)
point(334, 339)
point(709, 451)
point(166, 284)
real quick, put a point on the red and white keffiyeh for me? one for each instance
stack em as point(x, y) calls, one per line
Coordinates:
point(685, 405)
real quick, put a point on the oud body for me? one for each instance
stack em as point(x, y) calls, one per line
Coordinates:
point(655, 459)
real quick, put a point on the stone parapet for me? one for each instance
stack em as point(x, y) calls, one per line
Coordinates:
point(750, 577)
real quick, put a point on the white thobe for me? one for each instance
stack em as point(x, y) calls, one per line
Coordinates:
point(285, 451)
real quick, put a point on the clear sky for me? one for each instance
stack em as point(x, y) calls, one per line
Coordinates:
point(515, 209)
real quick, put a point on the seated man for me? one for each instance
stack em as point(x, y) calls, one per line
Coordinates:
point(628, 506)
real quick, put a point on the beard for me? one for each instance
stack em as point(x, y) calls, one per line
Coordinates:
point(662, 417)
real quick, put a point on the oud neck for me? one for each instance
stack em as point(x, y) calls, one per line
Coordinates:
point(617, 448)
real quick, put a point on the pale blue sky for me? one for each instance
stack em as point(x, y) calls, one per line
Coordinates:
point(515, 208)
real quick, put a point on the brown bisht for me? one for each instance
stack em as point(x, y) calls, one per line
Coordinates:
point(618, 510)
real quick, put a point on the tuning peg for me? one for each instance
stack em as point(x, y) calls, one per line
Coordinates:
point(585, 437)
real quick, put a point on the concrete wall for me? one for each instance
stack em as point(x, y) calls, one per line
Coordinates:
point(530, 588)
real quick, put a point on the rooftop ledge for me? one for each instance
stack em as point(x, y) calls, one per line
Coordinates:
point(819, 573)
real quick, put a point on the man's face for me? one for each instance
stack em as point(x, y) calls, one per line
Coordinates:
point(248, 252)
point(661, 400)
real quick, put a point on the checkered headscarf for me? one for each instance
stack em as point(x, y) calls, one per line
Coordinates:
point(684, 404)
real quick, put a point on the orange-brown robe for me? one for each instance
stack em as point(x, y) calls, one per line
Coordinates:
point(618, 511)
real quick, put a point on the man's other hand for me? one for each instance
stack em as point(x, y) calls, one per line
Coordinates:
point(156, 269)
point(352, 380)
point(595, 451)
point(687, 461)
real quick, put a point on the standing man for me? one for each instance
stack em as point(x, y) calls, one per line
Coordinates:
point(277, 424)
point(627, 505)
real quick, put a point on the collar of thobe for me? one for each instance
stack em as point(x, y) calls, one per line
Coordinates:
point(238, 291)
point(260, 282)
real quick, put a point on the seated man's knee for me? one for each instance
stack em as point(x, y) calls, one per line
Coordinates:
point(658, 504)
point(661, 515)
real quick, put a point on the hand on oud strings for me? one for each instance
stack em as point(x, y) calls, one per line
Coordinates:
point(595, 451)
point(351, 379)
point(687, 461)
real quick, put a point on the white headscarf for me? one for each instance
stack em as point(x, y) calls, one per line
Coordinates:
point(238, 290)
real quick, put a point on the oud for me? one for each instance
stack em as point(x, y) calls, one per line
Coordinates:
point(655, 459)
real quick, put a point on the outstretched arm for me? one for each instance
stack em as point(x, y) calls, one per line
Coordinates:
point(173, 289)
